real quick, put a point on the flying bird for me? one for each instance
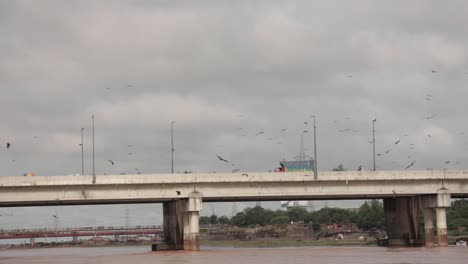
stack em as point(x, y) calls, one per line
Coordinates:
point(350, 76)
point(284, 129)
point(430, 117)
point(236, 170)
point(8, 145)
point(111, 162)
point(428, 135)
point(447, 162)
point(259, 133)
point(434, 71)
point(398, 141)
point(221, 159)
point(380, 154)
point(411, 164)
point(305, 123)
point(55, 216)
point(386, 152)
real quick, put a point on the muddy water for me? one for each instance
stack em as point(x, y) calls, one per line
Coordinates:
point(329, 255)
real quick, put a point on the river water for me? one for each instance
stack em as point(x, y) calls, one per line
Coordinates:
point(316, 255)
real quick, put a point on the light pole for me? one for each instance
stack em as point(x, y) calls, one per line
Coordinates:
point(94, 171)
point(373, 139)
point(172, 147)
point(315, 151)
point(82, 153)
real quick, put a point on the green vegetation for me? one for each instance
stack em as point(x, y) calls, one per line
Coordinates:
point(369, 215)
point(457, 217)
point(339, 168)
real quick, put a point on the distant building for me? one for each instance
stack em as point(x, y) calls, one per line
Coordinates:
point(296, 165)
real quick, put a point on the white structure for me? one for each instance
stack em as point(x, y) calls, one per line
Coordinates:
point(182, 194)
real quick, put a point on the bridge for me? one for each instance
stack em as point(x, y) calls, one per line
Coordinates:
point(405, 194)
point(75, 233)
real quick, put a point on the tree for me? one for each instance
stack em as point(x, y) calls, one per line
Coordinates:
point(213, 219)
point(371, 214)
point(339, 168)
point(457, 214)
point(328, 215)
point(204, 220)
point(224, 220)
point(297, 214)
point(280, 220)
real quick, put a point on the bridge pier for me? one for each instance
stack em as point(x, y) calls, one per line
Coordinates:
point(429, 226)
point(181, 223)
point(402, 218)
point(443, 201)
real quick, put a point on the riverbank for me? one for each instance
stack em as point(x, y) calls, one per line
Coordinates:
point(283, 243)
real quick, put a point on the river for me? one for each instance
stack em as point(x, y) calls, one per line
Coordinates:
point(316, 255)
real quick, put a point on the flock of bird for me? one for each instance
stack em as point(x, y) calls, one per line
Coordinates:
point(278, 138)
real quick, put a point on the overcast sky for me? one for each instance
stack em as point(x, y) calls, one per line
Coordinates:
point(224, 71)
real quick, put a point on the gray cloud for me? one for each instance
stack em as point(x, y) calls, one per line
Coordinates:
point(216, 66)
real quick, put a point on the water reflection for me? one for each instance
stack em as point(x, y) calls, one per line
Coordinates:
point(329, 255)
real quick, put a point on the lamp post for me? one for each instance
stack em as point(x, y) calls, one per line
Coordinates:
point(82, 153)
point(373, 139)
point(94, 171)
point(315, 150)
point(172, 147)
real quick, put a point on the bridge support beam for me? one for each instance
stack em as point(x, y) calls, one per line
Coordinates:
point(402, 218)
point(429, 227)
point(172, 235)
point(443, 201)
point(181, 223)
point(189, 211)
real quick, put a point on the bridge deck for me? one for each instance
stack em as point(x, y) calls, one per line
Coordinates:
point(146, 188)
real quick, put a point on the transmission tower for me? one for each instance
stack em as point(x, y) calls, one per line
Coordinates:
point(302, 155)
point(127, 217)
point(234, 209)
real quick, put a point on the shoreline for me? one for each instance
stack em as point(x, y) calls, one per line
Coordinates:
point(233, 243)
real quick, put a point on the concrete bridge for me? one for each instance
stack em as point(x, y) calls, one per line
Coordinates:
point(405, 194)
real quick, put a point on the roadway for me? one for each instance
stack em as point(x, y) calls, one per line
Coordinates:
point(219, 187)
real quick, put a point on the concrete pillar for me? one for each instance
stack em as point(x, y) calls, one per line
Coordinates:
point(189, 210)
point(181, 224)
point(172, 231)
point(429, 226)
point(443, 201)
point(32, 241)
point(402, 218)
point(441, 226)
point(191, 231)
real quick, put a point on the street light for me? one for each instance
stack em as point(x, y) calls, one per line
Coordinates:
point(82, 153)
point(373, 139)
point(315, 150)
point(172, 147)
point(94, 171)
